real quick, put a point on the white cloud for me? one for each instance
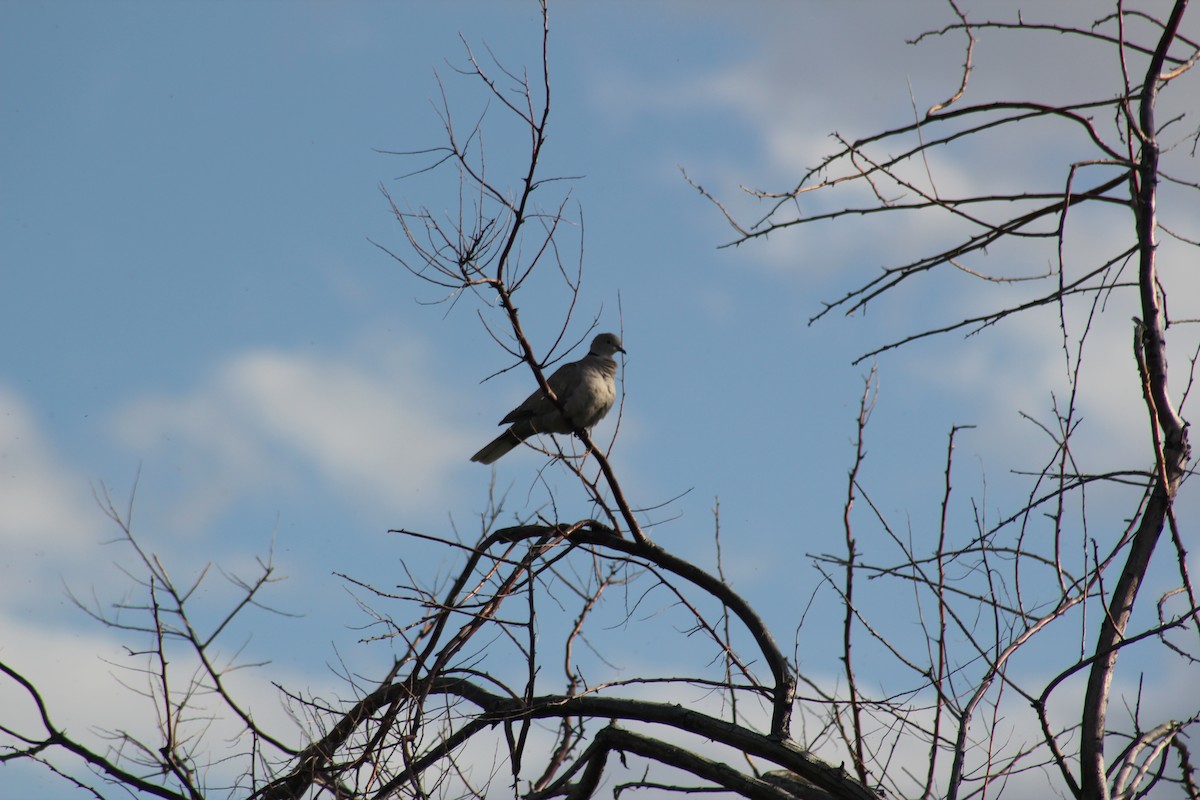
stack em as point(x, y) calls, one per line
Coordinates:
point(48, 517)
point(1019, 364)
point(92, 685)
point(371, 423)
point(70, 669)
point(40, 496)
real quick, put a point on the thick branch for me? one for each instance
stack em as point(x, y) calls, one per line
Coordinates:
point(498, 709)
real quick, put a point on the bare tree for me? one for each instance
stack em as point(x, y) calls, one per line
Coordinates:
point(1032, 579)
point(492, 691)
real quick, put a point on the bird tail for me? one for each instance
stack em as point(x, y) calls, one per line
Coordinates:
point(493, 450)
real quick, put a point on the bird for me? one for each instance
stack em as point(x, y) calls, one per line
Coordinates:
point(586, 389)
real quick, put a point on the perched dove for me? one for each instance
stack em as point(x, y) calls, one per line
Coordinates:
point(586, 389)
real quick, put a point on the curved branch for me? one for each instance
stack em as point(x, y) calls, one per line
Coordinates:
point(57, 738)
point(497, 709)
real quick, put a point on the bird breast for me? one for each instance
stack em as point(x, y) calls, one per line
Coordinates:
point(592, 399)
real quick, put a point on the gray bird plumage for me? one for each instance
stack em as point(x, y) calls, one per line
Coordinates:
point(586, 389)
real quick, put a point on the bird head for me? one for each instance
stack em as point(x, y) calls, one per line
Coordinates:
point(606, 344)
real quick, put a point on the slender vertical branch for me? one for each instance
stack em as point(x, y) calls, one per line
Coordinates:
point(866, 404)
point(1171, 455)
point(940, 667)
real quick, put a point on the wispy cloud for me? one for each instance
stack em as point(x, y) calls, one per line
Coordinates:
point(48, 517)
point(371, 423)
point(41, 498)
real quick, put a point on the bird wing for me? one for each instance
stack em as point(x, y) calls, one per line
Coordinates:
point(538, 406)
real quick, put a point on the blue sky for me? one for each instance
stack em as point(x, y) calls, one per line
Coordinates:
point(193, 302)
